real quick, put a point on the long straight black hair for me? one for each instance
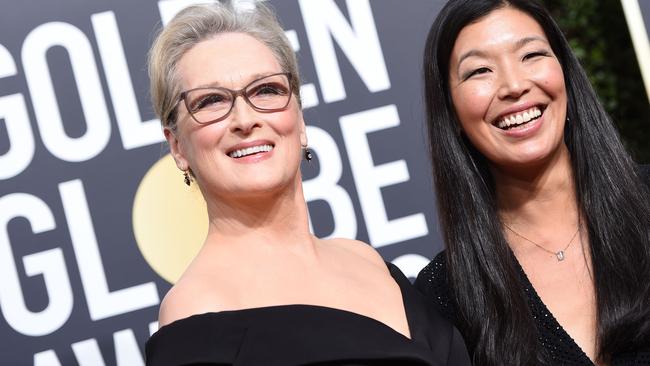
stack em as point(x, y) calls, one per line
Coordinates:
point(492, 312)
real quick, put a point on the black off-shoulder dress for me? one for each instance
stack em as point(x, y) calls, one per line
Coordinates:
point(309, 335)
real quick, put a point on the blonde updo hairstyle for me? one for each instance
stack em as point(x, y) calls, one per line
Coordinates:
point(198, 23)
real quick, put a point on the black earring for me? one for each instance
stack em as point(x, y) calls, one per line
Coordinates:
point(187, 178)
point(307, 154)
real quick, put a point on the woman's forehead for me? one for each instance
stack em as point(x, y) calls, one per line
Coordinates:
point(501, 29)
point(228, 60)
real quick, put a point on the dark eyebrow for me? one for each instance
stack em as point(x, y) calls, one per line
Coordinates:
point(471, 53)
point(524, 41)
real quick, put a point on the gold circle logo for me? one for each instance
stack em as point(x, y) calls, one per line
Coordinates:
point(170, 221)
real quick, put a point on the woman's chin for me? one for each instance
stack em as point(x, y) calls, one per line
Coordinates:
point(530, 154)
point(259, 188)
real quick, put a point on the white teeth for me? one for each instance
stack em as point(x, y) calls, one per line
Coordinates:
point(250, 150)
point(519, 118)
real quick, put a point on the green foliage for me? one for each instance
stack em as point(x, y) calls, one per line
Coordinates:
point(598, 34)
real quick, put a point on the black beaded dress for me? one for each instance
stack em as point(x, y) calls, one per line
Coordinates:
point(309, 335)
point(561, 348)
point(558, 344)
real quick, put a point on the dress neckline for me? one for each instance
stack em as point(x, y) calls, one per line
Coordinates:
point(541, 311)
point(409, 310)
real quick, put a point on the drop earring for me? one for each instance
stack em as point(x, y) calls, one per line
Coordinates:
point(187, 178)
point(307, 154)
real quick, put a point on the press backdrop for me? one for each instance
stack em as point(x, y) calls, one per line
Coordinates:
point(95, 222)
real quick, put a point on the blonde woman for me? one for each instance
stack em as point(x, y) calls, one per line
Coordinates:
point(263, 290)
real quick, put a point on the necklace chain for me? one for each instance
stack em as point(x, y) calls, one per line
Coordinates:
point(559, 254)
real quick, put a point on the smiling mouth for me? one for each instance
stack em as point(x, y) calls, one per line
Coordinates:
point(519, 119)
point(240, 153)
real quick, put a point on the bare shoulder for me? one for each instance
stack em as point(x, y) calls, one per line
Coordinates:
point(360, 249)
point(189, 296)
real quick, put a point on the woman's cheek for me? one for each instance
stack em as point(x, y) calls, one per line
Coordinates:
point(550, 75)
point(473, 102)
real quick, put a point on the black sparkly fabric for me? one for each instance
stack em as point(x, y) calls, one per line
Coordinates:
point(558, 344)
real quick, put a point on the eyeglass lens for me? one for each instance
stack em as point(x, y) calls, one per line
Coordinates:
point(268, 94)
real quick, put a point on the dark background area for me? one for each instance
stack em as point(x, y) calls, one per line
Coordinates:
point(598, 33)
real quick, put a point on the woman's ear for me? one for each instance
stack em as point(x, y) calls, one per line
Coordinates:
point(175, 148)
point(303, 132)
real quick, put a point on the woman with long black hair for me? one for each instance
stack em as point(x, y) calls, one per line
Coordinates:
point(545, 215)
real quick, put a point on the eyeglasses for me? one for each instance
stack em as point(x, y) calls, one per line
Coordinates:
point(268, 94)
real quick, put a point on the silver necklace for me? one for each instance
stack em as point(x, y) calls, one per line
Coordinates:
point(559, 254)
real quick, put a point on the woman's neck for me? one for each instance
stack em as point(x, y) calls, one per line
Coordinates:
point(542, 195)
point(278, 218)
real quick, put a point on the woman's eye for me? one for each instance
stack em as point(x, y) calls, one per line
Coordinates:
point(269, 89)
point(207, 101)
point(531, 55)
point(479, 71)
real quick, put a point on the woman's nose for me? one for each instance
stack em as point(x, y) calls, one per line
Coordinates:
point(243, 118)
point(513, 83)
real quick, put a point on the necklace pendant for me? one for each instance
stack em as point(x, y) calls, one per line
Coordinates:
point(560, 255)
